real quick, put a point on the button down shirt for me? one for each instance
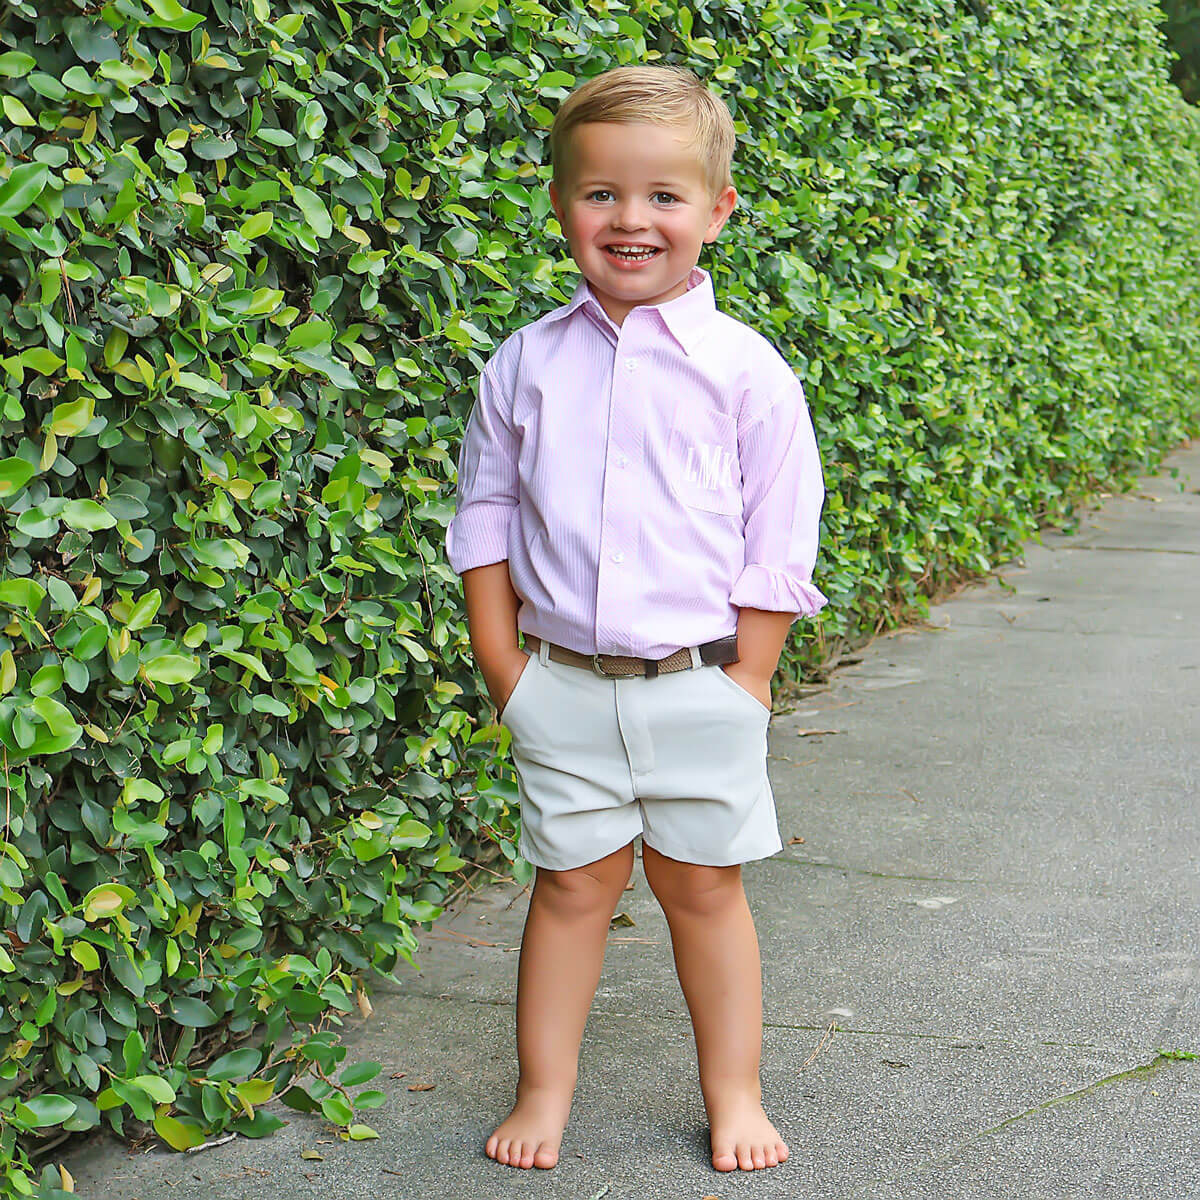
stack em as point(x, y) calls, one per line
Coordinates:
point(643, 481)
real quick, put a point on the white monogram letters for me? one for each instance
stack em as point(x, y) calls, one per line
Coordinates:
point(710, 468)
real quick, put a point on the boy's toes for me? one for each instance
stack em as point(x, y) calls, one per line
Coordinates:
point(781, 1151)
point(745, 1159)
point(546, 1157)
point(724, 1158)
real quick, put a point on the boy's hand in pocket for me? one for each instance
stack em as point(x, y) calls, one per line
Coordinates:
point(750, 681)
point(501, 673)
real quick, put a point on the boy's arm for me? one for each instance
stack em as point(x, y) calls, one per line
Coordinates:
point(492, 619)
point(782, 491)
point(761, 636)
point(477, 539)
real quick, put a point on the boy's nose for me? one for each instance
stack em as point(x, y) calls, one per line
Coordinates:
point(630, 216)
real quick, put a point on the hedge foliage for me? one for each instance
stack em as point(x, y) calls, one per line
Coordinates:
point(251, 259)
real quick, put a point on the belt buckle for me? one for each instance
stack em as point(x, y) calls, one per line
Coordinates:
point(597, 668)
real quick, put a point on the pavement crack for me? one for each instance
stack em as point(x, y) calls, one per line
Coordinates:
point(1139, 1072)
point(1148, 1068)
point(796, 861)
point(1138, 549)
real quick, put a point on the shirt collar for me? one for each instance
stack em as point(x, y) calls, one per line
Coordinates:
point(685, 317)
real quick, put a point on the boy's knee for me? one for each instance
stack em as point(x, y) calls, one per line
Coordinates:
point(691, 888)
point(585, 889)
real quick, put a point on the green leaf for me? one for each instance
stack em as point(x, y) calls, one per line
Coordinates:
point(170, 14)
point(234, 1065)
point(145, 610)
point(466, 83)
point(16, 112)
point(105, 900)
point(179, 1135)
point(49, 1109)
point(361, 1133)
point(316, 215)
point(258, 224)
point(157, 1088)
point(86, 514)
point(171, 668)
point(15, 473)
point(72, 417)
point(41, 360)
point(358, 1073)
point(133, 1051)
point(16, 63)
point(255, 1091)
point(187, 1010)
point(336, 1108)
point(85, 954)
point(57, 717)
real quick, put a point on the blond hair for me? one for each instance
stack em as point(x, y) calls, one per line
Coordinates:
point(662, 95)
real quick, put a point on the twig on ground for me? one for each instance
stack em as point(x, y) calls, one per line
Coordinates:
point(209, 1145)
point(825, 1040)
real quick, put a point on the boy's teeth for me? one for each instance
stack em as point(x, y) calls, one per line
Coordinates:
point(620, 253)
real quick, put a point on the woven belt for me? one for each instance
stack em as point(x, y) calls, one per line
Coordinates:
point(723, 650)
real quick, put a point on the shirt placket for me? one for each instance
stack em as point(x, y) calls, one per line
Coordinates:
point(617, 577)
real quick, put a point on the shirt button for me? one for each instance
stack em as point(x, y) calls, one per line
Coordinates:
point(618, 557)
point(631, 364)
point(622, 461)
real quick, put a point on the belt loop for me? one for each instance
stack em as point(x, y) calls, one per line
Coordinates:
point(543, 651)
point(697, 661)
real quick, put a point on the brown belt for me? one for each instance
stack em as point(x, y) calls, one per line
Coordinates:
point(723, 650)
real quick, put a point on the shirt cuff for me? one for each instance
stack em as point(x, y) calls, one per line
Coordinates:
point(776, 591)
point(478, 535)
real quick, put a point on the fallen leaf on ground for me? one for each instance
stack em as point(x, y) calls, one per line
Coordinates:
point(313, 1155)
point(421, 1087)
point(399, 1074)
point(888, 1063)
point(815, 732)
point(796, 841)
point(621, 919)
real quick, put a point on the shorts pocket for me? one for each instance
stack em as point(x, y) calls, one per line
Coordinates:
point(704, 468)
point(526, 671)
point(732, 683)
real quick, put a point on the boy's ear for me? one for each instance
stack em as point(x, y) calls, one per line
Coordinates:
point(556, 201)
point(724, 204)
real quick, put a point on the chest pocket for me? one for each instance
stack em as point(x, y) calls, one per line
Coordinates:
point(703, 460)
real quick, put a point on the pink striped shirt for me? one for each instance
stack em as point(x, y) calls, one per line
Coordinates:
point(644, 481)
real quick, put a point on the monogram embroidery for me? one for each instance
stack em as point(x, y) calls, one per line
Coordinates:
point(710, 468)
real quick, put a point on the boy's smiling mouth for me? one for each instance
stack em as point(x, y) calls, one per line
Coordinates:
point(632, 253)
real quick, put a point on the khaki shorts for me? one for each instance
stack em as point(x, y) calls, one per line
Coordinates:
point(680, 759)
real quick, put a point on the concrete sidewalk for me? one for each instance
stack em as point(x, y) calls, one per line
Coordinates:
point(996, 900)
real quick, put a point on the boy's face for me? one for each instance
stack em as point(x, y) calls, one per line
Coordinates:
point(635, 209)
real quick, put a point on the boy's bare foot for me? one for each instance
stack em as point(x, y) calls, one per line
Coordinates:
point(530, 1136)
point(742, 1136)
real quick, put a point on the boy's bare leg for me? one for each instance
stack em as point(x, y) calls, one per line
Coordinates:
point(562, 951)
point(716, 957)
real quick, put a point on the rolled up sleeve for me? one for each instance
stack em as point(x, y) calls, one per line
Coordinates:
point(487, 482)
point(782, 493)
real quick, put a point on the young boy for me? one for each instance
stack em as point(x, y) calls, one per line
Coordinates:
point(639, 491)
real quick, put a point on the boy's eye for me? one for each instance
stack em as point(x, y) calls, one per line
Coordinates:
point(599, 194)
point(664, 197)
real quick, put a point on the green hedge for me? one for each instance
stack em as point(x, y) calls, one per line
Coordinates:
point(250, 264)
